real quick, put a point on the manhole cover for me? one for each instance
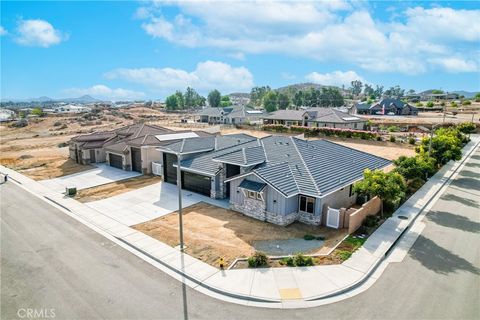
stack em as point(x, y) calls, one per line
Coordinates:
point(403, 217)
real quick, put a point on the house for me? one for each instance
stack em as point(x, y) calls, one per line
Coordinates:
point(315, 117)
point(276, 179)
point(131, 148)
point(385, 107)
point(6, 115)
point(230, 115)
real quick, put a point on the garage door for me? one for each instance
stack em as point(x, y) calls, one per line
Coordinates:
point(196, 183)
point(116, 161)
point(136, 160)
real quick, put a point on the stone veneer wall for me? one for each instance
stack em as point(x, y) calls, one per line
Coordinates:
point(251, 207)
point(310, 218)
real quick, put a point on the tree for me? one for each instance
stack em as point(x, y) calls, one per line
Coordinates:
point(466, 127)
point(429, 104)
point(368, 90)
point(414, 167)
point(257, 94)
point(171, 102)
point(446, 145)
point(225, 101)
point(330, 97)
point(298, 98)
point(356, 88)
point(477, 97)
point(180, 100)
point(395, 92)
point(389, 187)
point(270, 101)
point(214, 98)
point(283, 102)
point(378, 91)
point(191, 97)
point(436, 91)
point(37, 111)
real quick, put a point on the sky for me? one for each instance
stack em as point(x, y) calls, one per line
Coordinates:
point(146, 50)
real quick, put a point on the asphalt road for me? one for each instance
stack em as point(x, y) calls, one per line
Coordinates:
point(49, 260)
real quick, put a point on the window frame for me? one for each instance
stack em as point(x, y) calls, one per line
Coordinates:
point(308, 200)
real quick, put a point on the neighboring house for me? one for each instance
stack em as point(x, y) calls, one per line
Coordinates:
point(277, 179)
point(6, 115)
point(230, 115)
point(315, 117)
point(129, 148)
point(385, 107)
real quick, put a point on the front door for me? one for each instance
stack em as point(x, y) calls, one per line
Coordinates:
point(136, 160)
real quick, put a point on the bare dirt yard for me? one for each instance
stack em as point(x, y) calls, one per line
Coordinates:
point(115, 188)
point(212, 232)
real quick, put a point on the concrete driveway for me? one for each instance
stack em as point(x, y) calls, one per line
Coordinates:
point(148, 203)
point(102, 174)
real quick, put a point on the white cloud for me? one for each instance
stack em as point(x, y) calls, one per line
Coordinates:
point(335, 78)
point(206, 76)
point(456, 65)
point(3, 31)
point(38, 33)
point(104, 92)
point(287, 76)
point(317, 30)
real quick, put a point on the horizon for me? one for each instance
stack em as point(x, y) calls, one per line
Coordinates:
point(148, 50)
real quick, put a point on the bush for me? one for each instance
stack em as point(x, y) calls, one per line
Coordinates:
point(392, 139)
point(453, 104)
point(288, 261)
point(57, 124)
point(303, 261)
point(321, 238)
point(419, 104)
point(393, 129)
point(414, 185)
point(466, 102)
point(379, 138)
point(370, 221)
point(344, 254)
point(258, 259)
point(19, 124)
point(411, 140)
point(467, 127)
point(429, 104)
point(309, 237)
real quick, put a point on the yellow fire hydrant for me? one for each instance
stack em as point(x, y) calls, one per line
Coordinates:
point(221, 262)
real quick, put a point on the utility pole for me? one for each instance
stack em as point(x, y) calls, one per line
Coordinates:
point(179, 187)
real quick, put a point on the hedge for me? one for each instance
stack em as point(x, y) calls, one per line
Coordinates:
point(314, 131)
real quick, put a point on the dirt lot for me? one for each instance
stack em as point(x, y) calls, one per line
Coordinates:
point(115, 188)
point(211, 232)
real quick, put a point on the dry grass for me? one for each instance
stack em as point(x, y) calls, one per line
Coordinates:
point(211, 232)
point(115, 188)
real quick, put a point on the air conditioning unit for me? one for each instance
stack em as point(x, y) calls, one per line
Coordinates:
point(71, 191)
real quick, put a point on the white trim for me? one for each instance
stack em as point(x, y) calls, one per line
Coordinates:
point(194, 171)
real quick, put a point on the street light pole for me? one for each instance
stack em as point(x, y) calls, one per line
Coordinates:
point(179, 187)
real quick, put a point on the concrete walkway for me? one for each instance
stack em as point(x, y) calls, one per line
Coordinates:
point(273, 287)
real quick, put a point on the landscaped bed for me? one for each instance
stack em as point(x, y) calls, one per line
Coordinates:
point(212, 233)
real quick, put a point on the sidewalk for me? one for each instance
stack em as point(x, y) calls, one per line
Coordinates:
point(272, 287)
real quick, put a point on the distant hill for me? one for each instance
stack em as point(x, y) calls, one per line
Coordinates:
point(467, 94)
point(300, 86)
point(44, 99)
point(83, 99)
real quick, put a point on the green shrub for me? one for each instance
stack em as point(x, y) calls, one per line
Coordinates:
point(370, 222)
point(429, 104)
point(414, 185)
point(287, 261)
point(57, 124)
point(309, 237)
point(411, 140)
point(419, 104)
point(379, 138)
point(303, 261)
point(453, 104)
point(392, 139)
point(258, 259)
point(344, 254)
point(393, 129)
point(62, 145)
point(466, 127)
point(321, 238)
point(466, 102)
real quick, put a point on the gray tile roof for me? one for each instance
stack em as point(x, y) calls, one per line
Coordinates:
point(232, 112)
point(252, 185)
point(244, 157)
point(328, 115)
point(294, 115)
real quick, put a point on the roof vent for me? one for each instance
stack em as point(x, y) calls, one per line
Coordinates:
point(288, 154)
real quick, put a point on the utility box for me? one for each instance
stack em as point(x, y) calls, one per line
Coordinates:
point(71, 191)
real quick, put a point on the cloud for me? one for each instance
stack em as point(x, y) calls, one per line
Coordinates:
point(3, 31)
point(104, 92)
point(456, 65)
point(287, 76)
point(207, 75)
point(335, 78)
point(340, 31)
point(38, 33)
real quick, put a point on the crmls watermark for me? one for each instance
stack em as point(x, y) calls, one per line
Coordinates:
point(33, 313)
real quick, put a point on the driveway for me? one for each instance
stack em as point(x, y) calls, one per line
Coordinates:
point(102, 174)
point(148, 203)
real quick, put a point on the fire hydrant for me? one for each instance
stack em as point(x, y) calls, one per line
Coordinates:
point(221, 262)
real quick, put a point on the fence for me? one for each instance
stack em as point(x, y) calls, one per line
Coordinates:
point(354, 219)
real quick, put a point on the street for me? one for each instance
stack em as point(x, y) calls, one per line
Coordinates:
point(49, 260)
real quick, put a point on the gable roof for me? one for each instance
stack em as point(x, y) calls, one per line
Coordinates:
point(327, 115)
point(232, 112)
point(244, 157)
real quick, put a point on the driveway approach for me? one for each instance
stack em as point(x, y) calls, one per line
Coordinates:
point(102, 174)
point(148, 203)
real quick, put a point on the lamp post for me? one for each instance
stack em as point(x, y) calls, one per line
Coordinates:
point(179, 187)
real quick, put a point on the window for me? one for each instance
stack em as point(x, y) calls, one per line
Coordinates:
point(259, 196)
point(252, 194)
point(350, 192)
point(307, 204)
